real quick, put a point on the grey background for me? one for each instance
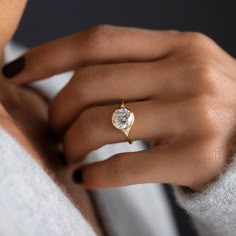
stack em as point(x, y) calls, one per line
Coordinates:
point(48, 19)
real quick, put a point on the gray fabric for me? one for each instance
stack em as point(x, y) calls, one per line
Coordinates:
point(135, 210)
point(214, 209)
point(31, 204)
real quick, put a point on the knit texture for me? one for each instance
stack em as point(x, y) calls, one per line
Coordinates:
point(30, 201)
point(214, 209)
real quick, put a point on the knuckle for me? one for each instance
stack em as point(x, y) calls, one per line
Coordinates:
point(205, 116)
point(195, 39)
point(205, 69)
point(101, 29)
point(205, 73)
point(99, 36)
point(202, 73)
point(199, 118)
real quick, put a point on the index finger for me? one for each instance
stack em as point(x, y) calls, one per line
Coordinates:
point(100, 44)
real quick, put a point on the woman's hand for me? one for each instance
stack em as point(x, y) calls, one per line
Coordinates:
point(180, 86)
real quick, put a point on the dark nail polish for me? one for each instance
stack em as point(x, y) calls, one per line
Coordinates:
point(77, 176)
point(13, 68)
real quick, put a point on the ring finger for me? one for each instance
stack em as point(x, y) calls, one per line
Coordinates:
point(93, 128)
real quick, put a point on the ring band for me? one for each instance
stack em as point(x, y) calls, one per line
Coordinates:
point(123, 119)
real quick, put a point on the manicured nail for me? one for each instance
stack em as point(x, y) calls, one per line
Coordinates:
point(13, 68)
point(77, 176)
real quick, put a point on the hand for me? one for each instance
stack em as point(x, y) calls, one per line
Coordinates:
point(180, 86)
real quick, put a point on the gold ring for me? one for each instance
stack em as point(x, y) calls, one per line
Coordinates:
point(123, 119)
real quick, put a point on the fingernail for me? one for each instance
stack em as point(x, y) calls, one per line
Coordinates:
point(13, 68)
point(77, 176)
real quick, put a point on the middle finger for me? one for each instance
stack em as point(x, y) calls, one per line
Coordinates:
point(106, 84)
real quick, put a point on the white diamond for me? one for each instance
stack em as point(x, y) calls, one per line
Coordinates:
point(122, 118)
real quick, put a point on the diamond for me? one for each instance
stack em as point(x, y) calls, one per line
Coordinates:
point(122, 118)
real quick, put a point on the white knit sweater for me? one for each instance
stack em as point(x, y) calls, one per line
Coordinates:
point(31, 204)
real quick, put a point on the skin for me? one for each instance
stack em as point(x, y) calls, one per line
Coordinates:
point(24, 115)
point(180, 85)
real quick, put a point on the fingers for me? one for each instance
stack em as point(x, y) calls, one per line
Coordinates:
point(94, 129)
point(105, 84)
point(156, 165)
point(102, 44)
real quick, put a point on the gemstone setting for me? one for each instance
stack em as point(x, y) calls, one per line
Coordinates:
point(122, 118)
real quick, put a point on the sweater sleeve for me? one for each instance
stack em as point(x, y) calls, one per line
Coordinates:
point(214, 209)
point(30, 201)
